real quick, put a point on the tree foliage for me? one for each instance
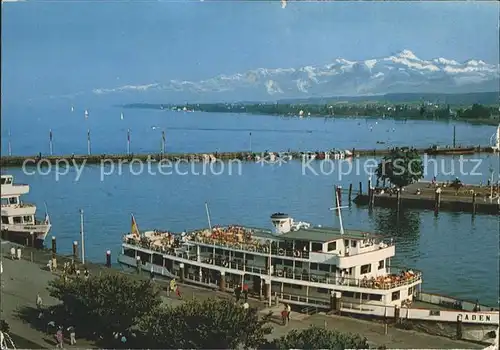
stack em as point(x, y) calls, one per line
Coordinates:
point(320, 338)
point(105, 304)
point(401, 167)
point(207, 324)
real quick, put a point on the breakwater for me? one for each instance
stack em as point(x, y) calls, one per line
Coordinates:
point(40, 159)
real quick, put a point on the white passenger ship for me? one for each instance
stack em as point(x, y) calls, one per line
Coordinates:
point(314, 267)
point(18, 218)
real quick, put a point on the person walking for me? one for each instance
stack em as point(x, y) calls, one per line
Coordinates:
point(288, 311)
point(60, 338)
point(39, 305)
point(72, 335)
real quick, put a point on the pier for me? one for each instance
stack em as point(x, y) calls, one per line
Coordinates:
point(40, 159)
point(424, 195)
point(23, 278)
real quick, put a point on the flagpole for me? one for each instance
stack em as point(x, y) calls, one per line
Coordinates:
point(82, 236)
point(128, 141)
point(9, 146)
point(163, 141)
point(50, 142)
point(88, 142)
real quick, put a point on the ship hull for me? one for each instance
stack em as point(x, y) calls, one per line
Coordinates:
point(29, 235)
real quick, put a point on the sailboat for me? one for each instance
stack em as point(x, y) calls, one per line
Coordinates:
point(86, 114)
point(495, 140)
point(72, 109)
point(121, 116)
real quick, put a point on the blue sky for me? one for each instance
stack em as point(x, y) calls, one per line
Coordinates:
point(65, 47)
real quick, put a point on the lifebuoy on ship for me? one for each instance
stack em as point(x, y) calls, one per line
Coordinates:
point(296, 254)
point(281, 251)
point(280, 273)
point(313, 279)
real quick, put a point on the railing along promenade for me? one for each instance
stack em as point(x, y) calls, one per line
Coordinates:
point(40, 159)
point(383, 282)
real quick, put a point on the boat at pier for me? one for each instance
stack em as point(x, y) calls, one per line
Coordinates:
point(328, 269)
point(19, 223)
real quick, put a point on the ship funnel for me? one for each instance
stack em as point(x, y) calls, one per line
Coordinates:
point(282, 223)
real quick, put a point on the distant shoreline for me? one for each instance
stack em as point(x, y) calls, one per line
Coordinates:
point(322, 111)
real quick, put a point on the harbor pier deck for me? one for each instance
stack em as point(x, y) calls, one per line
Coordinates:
point(23, 279)
point(422, 195)
point(41, 159)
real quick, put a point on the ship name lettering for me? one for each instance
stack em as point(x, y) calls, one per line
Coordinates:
point(473, 317)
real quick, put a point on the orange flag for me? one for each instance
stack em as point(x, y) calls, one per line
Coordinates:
point(135, 229)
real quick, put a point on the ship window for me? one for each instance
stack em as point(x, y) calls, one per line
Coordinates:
point(366, 269)
point(275, 261)
point(395, 295)
point(353, 244)
point(249, 257)
point(381, 264)
point(332, 246)
point(219, 251)
point(348, 294)
point(129, 252)
point(158, 259)
point(298, 264)
point(287, 262)
point(296, 286)
point(12, 200)
point(410, 291)
point(323, 290)
point(314, 266)
point(375, 297)
point(17, 219)
point(3, 180)
point(324, 267)
point(27, 219)
point(8, 181)
point(5, 220)
point(238, 255)
point(317, 247)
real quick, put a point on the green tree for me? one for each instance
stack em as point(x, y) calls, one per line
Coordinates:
point(105, 304)
point(319, 338)
point(207, 324)
point(401, 167)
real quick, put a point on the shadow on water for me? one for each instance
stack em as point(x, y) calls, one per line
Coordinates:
point(402, 225)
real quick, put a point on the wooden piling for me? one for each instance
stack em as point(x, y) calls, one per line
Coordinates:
point(360, 188)
point(398, 197)
point(350, 193)
point(474, 203)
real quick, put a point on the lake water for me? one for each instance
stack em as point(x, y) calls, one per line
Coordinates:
point(203, 132)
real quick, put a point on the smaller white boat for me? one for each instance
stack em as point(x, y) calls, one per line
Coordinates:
point(86, 114)
point(72, 109)
point(121, 116)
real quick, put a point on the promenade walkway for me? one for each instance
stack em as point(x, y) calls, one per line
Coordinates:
point(23, 279)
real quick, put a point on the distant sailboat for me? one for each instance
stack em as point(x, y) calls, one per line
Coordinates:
point(121, 116)
point(86, 114)
point(72, 109)
point(495, 140)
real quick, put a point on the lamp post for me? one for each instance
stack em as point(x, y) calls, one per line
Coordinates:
point(82, 236)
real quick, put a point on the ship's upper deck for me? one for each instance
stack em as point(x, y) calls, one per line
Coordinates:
point(9, 189)
point(317, 244)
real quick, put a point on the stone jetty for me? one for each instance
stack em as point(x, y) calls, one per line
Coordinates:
point(40, 159)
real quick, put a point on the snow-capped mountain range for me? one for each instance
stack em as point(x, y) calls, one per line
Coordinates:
point(401, 72)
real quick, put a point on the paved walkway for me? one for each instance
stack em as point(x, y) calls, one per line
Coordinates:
point(22, 280)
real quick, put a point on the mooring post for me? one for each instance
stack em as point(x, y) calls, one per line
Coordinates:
point(108, 258)
point(459, 327)
point(350, 193)
point(75, 250)
point(54, 247)
point(437, 200)
point(360, 188)
point(398, 197)
point(474, 203)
